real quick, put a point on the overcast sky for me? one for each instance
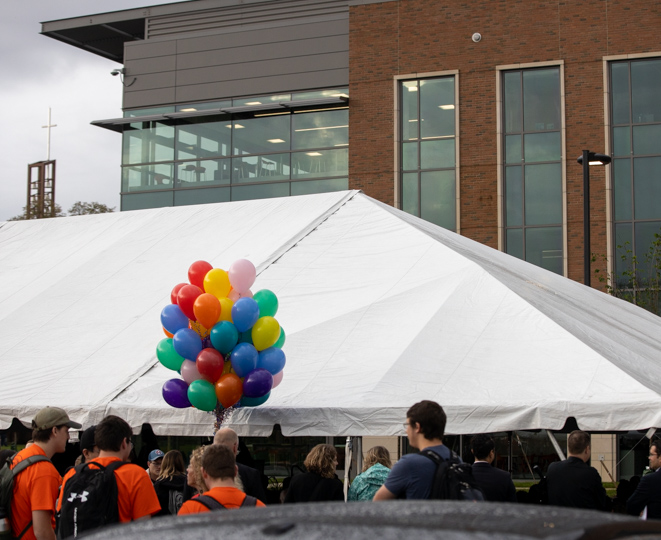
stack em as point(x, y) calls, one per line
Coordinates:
point(37, 72)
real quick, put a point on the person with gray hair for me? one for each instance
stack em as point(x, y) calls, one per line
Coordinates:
point(376, 468)
point(250, 478)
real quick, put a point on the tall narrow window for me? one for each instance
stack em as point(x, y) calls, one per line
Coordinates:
point(532, 148)
point(428, 149)
point(636, 136)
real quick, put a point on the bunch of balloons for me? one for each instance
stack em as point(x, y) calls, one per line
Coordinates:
point(223, 340)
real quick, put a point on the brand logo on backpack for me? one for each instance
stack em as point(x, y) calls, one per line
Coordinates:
point(82, 496)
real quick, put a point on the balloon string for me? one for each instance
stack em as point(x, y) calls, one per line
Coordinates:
point(221, 415)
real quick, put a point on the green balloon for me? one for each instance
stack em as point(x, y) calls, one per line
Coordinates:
point(267, 302)
point(167, 355)
point(281, 339)
point(202, 395)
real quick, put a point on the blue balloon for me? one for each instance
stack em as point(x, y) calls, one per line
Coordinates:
point(254, 402)
point(187, 343)
point(244, 359)
point(257, 383)
point(224, 336)
point(272, 360)
point(173, 319)
point(245, 313)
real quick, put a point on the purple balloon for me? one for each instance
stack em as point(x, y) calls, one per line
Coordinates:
point(175, 393)
point(257, 383)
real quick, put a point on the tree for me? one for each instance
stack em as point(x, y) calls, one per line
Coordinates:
point(33, 214)
point(80, 208)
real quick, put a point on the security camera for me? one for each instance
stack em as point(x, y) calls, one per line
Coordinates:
point(116, 72)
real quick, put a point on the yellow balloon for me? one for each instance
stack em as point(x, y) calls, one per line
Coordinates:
point(265, 333)
point(225, 309)
point(217, 282)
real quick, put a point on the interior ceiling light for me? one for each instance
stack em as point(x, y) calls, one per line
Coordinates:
point(275, 141)
point(188, 110)
point(412, 88)
point(254, 103)
point(318, 128)
point(236, 126)
point(312, 153)
point(446, 107)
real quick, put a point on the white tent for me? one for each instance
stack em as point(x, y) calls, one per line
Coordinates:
point(381, 310)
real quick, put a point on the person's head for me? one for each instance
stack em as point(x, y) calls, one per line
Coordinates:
point(173, 464)
point(322, 460)
point(114, 435)
point(88, 447)
point(427, 419)
point(377, 454)
point(578, 444)
point(481, 446)
point(655, 455)
point(194, 471)
point(50, 426)
point(218, 463)
point(154, 463)
point(227, 437)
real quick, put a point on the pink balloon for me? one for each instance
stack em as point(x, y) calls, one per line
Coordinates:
point(234, 295)
point(242, 274)
point(189, 371)
point(277, 379)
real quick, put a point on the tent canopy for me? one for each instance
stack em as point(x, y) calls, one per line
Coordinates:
point(381, 309)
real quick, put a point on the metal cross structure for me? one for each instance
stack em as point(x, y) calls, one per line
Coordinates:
point(48, 126)
point(41, 183)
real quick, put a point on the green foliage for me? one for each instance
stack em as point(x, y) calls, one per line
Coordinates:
point(640, 280)
point(33, 213)
point(80, 208)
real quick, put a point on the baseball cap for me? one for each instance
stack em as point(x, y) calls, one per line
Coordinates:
point(87, 439)
point(50, 417)
point(154, 455)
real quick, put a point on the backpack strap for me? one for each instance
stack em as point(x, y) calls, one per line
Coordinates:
point(210, 503)
point(20, 467)
point(249, 501)
point(432, 455)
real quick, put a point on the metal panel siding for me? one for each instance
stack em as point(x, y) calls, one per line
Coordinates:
point(136, 50)
point(153, 65)
point(148, 98)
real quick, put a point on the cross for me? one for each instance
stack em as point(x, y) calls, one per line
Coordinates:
point(48, 142)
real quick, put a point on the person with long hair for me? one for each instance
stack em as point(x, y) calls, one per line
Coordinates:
point(319, 483)
point(194, 481)
point(376, 468)
point(170, 484)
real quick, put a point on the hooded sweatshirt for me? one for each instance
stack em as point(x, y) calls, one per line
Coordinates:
point(170, 492)
point(365, 485)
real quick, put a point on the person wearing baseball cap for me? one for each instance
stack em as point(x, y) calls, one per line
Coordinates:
point(36, 487)
point(154, 461)
point(88, 447)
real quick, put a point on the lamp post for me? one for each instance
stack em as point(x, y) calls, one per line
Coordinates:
point(586, 159)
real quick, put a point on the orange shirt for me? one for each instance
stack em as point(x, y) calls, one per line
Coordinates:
point(230, 497)
point(136, 497)
point(35, 488)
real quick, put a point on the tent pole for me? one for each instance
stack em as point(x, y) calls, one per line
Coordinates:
point(510, 452)
point(347, 465)
point(555, 445)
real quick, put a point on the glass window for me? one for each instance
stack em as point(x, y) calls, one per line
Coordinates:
point(204, 139)
point(533, 167)
point(320, 129)
point(260, 168)
point(139, 201)
point(197, 173)
point(186, 197)
point(190, 107)
point(147, 142)
point(635, 87)
point(252, 135)
point(261, 100)
point(319, 186)
point(319, 94)
point(146, 112)
point(147, 177)
point(320, 163)
point(265, 191)
point(428, 149)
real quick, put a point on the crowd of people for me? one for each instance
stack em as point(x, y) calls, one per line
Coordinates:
point(105, 478)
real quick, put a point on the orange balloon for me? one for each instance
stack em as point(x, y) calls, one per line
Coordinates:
point(229, 389)
point(206, 309)
point(167, 333)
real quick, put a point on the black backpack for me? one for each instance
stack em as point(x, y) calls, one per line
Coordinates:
point(89, 499)
point(453, 480)
point(7, 476)
point(212, 504)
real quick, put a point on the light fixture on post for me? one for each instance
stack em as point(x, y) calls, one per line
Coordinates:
point(587, 159)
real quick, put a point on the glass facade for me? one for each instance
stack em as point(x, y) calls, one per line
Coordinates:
point(636, 142)
point(532, 156)
point(262, 150)
point(428, 150)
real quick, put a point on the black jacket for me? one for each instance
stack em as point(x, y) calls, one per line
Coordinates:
point(310, 487)
point(574, 483)
point(496, 485)
point(252, 482)
point(170, 493)
point(648, 493)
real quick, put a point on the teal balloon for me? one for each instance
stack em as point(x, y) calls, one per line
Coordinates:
point(202, 395)
point(281, 339)
point(267, 302)
point(167, 355)
point(224, 336)
point(254, 402)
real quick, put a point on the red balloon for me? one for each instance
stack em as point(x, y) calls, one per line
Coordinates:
point(175, 292)
point(210, 364)
point(197, 271)
point(186, 299)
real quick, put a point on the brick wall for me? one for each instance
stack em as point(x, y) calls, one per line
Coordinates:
point(420, 36)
